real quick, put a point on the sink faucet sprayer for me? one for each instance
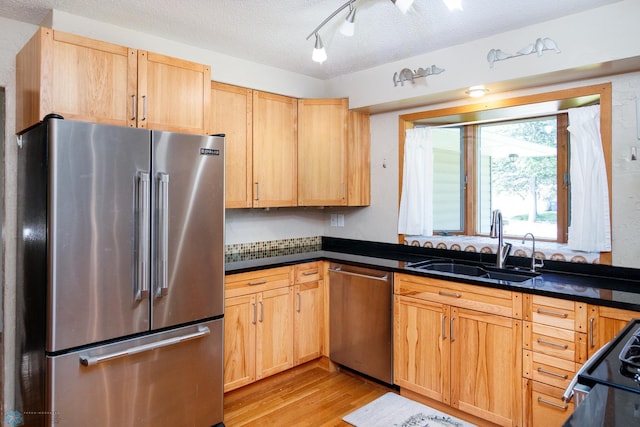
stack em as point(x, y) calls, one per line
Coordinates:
point(496, 231)
point(534, 264)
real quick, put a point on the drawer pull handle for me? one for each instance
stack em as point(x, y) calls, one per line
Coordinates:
point(562, 346)
point(544, 371)
point(555, 405)
point(552, 313)
point(449, 294)
point(257, 282)
point(592, 341)
point(309, 273)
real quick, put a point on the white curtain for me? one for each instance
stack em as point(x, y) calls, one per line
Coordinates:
point(416, 201)
point(590, 228)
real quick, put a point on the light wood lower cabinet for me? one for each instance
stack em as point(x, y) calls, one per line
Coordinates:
point(604, 323)
point(469, 359)
point(258, 325)
point(555, 347)
point(274, 320)
point(309, 312)
point(545, 407)
point(421, 347)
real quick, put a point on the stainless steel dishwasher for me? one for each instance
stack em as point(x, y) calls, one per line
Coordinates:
point(361, 320)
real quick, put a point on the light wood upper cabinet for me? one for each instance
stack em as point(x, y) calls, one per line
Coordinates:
point(173, 94)
point(322, 155)
point(359, 159)
point(75, 77)
point(275, 158)
point(90, 80)
point(232, 114)
point(333, 154)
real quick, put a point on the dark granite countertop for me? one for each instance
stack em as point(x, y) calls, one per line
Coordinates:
point(594, 284)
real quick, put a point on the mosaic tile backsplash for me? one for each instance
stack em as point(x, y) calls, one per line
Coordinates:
point(544, 250)
point(255, 250)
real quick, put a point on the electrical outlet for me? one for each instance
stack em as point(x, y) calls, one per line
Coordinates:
point(334, 220)
point(340, 220)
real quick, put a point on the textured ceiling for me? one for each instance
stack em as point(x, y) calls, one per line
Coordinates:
point(273, 32)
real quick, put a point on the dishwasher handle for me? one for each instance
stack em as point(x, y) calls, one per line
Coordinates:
point(339, 270)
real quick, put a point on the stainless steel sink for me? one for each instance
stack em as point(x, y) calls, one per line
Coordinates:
point(474, 270)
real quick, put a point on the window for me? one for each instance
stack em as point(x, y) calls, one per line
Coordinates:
point(510, 154)
point(518, 173)
point(517, 169)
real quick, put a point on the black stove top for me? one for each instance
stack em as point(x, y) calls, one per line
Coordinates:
point(619, 364)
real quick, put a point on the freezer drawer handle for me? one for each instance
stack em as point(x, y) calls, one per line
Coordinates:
point(366, 276)
point(87, 360)
point(163, 235)
point(142, 284)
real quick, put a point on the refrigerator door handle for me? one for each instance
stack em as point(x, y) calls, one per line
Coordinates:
point(86, 360)
point(163, 235)
point(142, 283)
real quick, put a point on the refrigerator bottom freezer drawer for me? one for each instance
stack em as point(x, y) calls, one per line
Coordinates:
point(173, 378)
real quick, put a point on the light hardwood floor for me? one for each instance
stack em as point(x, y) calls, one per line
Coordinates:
point(305, 396)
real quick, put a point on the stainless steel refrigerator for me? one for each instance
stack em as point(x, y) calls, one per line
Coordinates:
point(120, 277)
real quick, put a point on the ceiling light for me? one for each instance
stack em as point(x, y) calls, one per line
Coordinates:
point(319, 54)
point(403, 5)
point(477, 91)
point(453, 4)
point(348, 26)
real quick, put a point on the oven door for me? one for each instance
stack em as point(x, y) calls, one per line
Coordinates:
point(606, 406)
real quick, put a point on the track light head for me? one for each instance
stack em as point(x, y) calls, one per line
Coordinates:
point(403, 5)
point(319, 54)
point(348, 25)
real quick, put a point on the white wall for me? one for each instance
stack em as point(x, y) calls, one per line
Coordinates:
point(588, 41)
point(379, 221)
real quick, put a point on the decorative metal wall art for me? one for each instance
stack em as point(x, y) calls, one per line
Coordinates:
point(539, 46)
point(407, 74)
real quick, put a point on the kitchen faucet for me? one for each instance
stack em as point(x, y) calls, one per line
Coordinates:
point(496, 231)
point(534, 264)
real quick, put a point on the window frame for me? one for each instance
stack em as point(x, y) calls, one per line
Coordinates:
point(470, 112)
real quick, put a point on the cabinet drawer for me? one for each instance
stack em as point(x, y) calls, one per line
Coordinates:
point(308, 272)
point(485, 299)
point(557, 342)
point(547, 407)
point(257, 281)
point(548, 369)
point(556, 312)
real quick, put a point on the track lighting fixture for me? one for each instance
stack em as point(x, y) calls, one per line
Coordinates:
point(348, 26)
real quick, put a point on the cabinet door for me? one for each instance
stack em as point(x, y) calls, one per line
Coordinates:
point(231, 114)
point(275, 139)
point(76, 77)
point(274, 345)
point(421, 347)
point(604, 324)
point(359, 159)
point(240, 319)
point(322, 156)
point(308, 321)
point(173, 94)
point(486, 356)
